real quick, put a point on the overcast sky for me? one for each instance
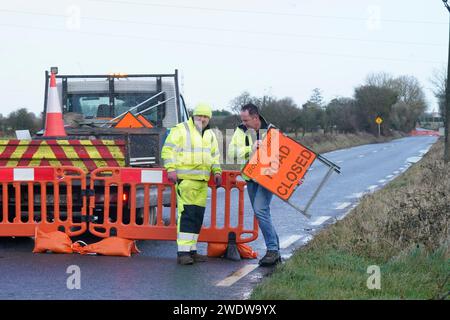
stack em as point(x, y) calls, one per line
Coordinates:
point(222, 48)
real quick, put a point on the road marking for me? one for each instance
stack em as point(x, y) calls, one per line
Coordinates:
point(343, 205)
point(286, 256)
point(286, 243)
point(320, 220)
point(375, 151)
point(382, 181)
point(237, 275)
point(372, 187)
point(355, 195)
point(339, 161)
point(361, 156)
point(413, 159)
point(389, 176)
point(396, 172)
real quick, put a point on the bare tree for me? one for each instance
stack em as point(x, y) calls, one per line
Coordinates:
point(411, 102)
point(283, 113)
point(243, 99)
point(439, 81)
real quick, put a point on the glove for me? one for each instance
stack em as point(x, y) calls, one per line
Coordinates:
point(218, 179)
point(172, 176)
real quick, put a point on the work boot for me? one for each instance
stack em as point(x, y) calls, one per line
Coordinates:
point(271, 258)
point(185, 259)
point(198, 257)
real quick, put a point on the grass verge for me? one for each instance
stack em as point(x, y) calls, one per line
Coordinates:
point(403, 229)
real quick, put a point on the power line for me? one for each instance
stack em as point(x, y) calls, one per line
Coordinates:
point(240, 31)
point(221, 45)
point(260, 12)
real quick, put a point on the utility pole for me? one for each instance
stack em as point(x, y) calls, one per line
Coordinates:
point(447, 100)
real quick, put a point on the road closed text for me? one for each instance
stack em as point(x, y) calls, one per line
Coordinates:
point(281, 165)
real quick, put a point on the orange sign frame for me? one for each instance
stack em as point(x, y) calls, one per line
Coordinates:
point(279, 164)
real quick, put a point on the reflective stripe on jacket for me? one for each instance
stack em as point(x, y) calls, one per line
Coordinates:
point(190, 153)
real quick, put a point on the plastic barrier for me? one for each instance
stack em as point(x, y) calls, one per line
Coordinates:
point(424, 133)
point(49, 197)
point(119, 215)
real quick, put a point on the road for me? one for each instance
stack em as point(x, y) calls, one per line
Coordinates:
point(154, 274)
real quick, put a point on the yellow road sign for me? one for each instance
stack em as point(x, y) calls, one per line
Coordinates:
point(378, 120)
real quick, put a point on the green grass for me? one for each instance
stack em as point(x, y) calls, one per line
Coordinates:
point(340, 275)
point(403, 228)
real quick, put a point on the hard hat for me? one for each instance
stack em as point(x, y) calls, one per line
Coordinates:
point(203, 109)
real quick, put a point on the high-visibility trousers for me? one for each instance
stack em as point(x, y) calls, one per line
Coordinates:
point(191, 202)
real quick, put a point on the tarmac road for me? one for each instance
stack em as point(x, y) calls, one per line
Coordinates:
point(154, 274)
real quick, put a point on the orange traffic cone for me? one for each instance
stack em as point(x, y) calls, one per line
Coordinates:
point(54, 124)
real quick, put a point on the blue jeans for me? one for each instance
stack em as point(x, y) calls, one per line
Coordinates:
point(260, 199)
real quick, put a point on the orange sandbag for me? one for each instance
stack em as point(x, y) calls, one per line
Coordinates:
point(246, 252)
point(216, 249)
point(113, 246)
point(219, 249)
point(56, 242)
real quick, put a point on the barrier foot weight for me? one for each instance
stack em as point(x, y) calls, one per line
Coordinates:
point(232, 252)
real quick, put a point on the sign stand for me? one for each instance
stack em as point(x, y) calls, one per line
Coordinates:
point(332, 167)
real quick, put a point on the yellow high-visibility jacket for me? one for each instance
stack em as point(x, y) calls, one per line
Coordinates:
point(192, 154)
point(240, 147)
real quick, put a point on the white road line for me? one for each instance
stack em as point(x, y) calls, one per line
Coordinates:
point(237, 275)
point(320, 220)
point(345, 214)
point(413, 159)
point(286, 243)
point(396, 172)
point(372, 187)
point(355, 195)
point(375, 151)
point(339, 161)
point(389, 176)
point(381, 181)
point(361, 156)
point(343, 205)
point(286, 256)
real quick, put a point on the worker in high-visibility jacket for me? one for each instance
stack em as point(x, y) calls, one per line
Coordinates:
point(242, 145)
point(190, 153)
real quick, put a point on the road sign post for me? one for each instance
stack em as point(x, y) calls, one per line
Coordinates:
point(378, 121)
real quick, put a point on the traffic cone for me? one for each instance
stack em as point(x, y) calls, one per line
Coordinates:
point(54, 123)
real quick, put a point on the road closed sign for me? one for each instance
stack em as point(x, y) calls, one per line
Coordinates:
point(279, 164)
